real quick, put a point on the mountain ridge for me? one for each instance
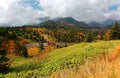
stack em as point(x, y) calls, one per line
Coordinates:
point(69, 20)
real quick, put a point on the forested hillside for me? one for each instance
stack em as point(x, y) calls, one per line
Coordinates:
point(48, 38)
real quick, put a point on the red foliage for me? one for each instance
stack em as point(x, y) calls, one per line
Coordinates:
point(51, 43)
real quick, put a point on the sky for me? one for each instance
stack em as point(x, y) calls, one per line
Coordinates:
point(22, 12)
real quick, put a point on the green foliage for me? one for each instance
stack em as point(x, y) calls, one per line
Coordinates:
point(59, 59)
point(25, 53)
point(89, 37)
point(71, 37)
point(17, 33)
point(51, 24)
point(115, 32)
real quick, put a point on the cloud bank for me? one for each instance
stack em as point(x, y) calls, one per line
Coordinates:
point(21, 12)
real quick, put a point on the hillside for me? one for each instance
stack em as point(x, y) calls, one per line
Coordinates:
point(59, 39)
point(59, 59)
point(49, 31)
point(13, 39)
point(105, 66)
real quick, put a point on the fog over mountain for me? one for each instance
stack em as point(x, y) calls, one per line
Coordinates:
point(106, 24)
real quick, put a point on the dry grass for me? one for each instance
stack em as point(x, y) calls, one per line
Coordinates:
point(106, 66)
point(115, 54)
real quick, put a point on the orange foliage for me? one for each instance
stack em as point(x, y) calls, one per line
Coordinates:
point(9, 45)
point(107, 33)
point(49, 48)
point(24, 41)
point(42, 54)
point(33, 51)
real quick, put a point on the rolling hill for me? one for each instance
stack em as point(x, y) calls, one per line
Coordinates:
point(57, 60)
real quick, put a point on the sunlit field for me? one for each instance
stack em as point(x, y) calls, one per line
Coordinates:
point(106, 66)
point(79, 56)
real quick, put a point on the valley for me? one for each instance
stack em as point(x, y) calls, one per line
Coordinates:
point(59, 59)
point(59, 38)
point(50, 48)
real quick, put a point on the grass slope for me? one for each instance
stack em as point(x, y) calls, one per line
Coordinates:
point(59, 59)
point(105, 66)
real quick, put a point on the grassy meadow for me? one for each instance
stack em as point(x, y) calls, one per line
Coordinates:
point(61, 62)
point(105, 66)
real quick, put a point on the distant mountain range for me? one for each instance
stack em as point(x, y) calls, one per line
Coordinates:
point(69, 20)
point(43, 19)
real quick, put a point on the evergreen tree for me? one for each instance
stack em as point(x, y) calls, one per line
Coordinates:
point(89, 37)
point(41, 46)
point(115, 32)
point(4, 61)
point(24, 49)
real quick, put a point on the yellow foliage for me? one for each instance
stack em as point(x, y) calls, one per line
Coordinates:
point(33, 51)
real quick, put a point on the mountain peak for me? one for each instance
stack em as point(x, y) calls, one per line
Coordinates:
point(71, 20)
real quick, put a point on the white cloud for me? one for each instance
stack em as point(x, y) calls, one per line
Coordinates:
point(6, 3)
point(16, 14)
point(12, 13)
point(83, 10)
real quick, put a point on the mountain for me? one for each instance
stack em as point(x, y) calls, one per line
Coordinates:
point(43, 19)
point(95, 24)
point(106, 24)
point(71, 21)
point(109, 22)
point(50, 24)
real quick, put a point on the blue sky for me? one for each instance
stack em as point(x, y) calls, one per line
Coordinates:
point(113, 7)
point(33, 3)
point(21, 12)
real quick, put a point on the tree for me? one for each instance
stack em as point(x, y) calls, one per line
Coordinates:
point(20, 49)
point(41, 46)
point(115, 32)
point(4, 61)
point(24, 49)
point(89, 37)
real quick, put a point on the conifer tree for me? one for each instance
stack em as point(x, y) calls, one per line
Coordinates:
point(41, 46)
point(4, 61)
point(25, 53)
point(89, 37)
point(115, 32)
